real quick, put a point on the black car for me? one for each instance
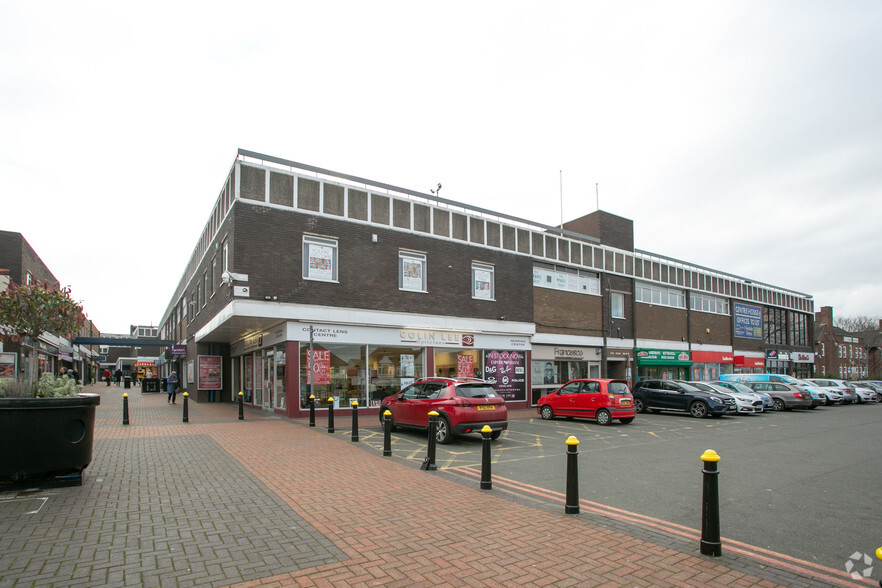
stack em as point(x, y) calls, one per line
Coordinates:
point(658, 395)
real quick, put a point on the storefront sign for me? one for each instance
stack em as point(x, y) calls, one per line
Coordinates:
point(178, 350)
point(712, 357)
point(210, 372)
point(436, 338)
point(465, 366)
point(750, 362)
point(801, 357)
point(748, 321)
point(506, 371)
point(570, 353)
point(774, 354)
point(662, 357)
point(318, 367)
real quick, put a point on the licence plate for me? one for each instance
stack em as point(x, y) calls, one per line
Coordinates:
point(486, 407)
point(625, 403)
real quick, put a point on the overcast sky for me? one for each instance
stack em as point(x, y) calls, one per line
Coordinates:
point(741, 135)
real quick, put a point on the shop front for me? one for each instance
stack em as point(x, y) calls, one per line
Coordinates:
point(663, 364)
point(620, 364)
point(554, 365)
point(707, 366)
point(803, 364)
point(777, 362)
point(748, 363)
point(342, 364)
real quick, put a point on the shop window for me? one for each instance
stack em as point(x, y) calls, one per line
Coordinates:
point(483, 282)
point(319, 259)
point(412, 271)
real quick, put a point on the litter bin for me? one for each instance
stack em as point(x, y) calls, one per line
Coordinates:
point(163, 384)
point(150, 385)
point(127, 382)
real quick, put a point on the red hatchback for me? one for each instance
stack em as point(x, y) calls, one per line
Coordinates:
point(600, 399)
point(464, 405)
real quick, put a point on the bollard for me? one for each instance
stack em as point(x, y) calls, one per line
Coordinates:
point(330, 414)
point(186, 411)
point(486, 483)
point(311, 410)
point(387, 433)
point(879, 555)
point(355, 420)
point(572, 504)
point(710, 506)
point(125, 408)
point(429, 461)
point(241, 409)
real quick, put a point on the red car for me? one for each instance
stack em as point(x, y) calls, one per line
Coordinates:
point(600, 399)
point(464, 405)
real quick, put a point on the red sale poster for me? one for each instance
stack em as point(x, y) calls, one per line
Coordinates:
point(465, 366)
point(319, 366)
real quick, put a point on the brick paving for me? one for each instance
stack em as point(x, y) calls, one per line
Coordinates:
point(271, 502)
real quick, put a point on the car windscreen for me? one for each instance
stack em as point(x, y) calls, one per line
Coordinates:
point(618, 388)
point(476, 391)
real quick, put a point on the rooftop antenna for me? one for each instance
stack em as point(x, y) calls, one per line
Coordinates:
point(436, 192)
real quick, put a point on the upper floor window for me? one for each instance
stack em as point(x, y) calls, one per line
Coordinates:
point(660, 295)
point(705, 303)
point(319, 259)
point(546, 275)
point(617, 304)
point(412, 271)
point(483, 287)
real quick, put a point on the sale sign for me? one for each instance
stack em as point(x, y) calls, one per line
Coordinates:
point(319, 367)
point(465, 366)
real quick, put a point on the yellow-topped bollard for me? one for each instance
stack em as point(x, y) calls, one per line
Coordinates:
point(311, 410)
point(879, 553)
point(572, 504)
point(241, 409)
point(354, 405)
point(125, 408)
point(186, 408)
point(486, 480)
point(571, 440)
point(331, 428)
point(710, 455)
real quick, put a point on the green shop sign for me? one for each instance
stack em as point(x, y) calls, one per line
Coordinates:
point(663, 357)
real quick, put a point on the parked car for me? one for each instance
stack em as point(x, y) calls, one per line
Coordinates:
point(863, 393)
point(744, 403)
point(815, 392)
point(658, 395)
point(600, 399)
point(464, 406)
point(875, 386)
point(785, 395)
point(768, 403)
point(841, 387)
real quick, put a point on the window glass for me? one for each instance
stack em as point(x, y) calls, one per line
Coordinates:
point(483, 282)
point(411, 271)
point(319, 259)
point(617, 388)
point(571, 388)
point(617, 303)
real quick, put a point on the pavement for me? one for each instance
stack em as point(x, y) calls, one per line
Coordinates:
point(270, 501)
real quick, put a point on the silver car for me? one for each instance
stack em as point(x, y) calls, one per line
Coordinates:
point(768, 403)
point(785, 395)
point(744, 403)
point(840, 387)
point(863, 393)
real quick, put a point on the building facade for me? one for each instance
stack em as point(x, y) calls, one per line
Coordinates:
point(840, 354)
point(307, 282)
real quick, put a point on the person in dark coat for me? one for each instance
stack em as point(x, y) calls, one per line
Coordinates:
point(171, 386)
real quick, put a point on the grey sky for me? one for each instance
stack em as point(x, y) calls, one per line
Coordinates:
point(744, 136)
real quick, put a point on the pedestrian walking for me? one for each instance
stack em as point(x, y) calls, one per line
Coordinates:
point(171, 386)
point(118, 376)
point(107, 376)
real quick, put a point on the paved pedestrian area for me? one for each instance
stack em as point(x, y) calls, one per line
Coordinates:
point(268, 501)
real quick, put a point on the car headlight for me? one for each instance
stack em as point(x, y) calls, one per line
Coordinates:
point(716, 399)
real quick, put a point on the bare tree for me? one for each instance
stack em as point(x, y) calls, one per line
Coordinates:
point(857, 324)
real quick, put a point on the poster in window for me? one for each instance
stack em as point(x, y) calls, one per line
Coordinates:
point(465, 366)
point(321, 262)
point(483, 285)
point(412, 274)
point(210, 372)
point(7, 365)
point(319, 367)
point(406, 362)
point(506, 370)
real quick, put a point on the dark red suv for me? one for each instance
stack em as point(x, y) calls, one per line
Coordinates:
point(464, 405)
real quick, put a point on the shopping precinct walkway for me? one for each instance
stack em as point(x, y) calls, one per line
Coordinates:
point(269, 501)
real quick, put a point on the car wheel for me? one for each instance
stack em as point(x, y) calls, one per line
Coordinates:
point(779, 404)
point(443, 434)
point(383, 418)
point(495, 434)
point(638, 405)
point(698, 409)
point(627, 421)
point(602, 417)
point(547, 413)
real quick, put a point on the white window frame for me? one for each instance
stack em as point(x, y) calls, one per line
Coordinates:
point(415, 263)
point(320, 259)
point(483, 281)
point(617, 305)
point(646, 293)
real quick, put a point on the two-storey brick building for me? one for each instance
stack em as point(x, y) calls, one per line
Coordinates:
point(307, 281)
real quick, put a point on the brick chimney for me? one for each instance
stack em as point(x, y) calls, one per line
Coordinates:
point(825, 315)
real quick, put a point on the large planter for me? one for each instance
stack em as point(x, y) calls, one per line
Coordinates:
point(46, 439)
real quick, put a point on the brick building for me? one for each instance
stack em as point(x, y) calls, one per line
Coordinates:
point(840, 354)
point(386, 285)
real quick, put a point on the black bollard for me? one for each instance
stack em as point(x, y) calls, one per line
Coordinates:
point(486, 483)
point(710, 506)
point(429, 461)
point(355, 420)
point(125, 408)
point(387, 433)
point(241, 408)
point(330, 415)
point(311, 410)
point(186, 411)
point(572, 504)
